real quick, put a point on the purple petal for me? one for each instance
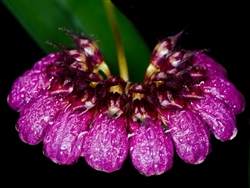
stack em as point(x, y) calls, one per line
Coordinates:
point(151, 150)
point(226, 91)
point(63, 141)
point(190, 135)
point(37, 115)
point(44, 62)
point(212, 67)
point(106, 144)
point(218, 116)
point(25, 88)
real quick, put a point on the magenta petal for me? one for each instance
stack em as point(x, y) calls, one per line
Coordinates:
point(36, 116)
point(218, 116)
point(226, 91)
point(25, 88)
point(47, 60)
point(63, 141)
point(190, 135)
point(106, 144)
point(211, 66)
point(151, 150)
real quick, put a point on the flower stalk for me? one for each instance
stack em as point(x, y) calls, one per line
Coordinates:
point(123, 69)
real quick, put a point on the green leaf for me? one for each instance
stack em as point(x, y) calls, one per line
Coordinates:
point(41, 19)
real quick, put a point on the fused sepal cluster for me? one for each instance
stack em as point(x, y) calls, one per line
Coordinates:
point(77, 111)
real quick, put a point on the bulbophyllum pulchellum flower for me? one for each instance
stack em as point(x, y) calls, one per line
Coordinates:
point(72, 103)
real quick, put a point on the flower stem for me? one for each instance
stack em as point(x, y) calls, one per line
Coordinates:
point(109, 7)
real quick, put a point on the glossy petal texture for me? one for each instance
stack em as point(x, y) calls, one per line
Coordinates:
point(190, 135)
point(106, 144)
point(26, 88)
point(151, 150)
point(47, 60)
point(37, 115)
point(218, 116)
point(63, 141)
point(226, 91)
point(212, 67)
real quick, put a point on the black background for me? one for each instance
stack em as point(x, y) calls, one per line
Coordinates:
point(222, 29)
